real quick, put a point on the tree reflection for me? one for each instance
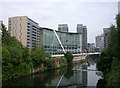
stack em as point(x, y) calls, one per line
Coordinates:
point(69, 72)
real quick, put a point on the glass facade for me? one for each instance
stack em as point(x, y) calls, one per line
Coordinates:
point(70, 41)
point(63, 27)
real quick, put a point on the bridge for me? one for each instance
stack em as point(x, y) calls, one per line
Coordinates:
point(80, 69)
point(81, 54)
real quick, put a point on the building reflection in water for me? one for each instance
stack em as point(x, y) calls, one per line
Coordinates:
point(77, 78)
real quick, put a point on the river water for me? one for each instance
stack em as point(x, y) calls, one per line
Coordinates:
point(65, 77)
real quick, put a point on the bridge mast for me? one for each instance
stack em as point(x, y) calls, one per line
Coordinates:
point(59, 41)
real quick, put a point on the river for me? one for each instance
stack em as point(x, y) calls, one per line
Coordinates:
point(64, 77)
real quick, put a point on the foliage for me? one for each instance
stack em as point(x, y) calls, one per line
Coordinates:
point(38, 56)
point(113, 41)
point(16, 60)
point(69, 58)
point(113, 77)
point(63, 61)
point(109, 60)
point(6, 39)
point(50, 63)
point(104, 62)
point(118, 35)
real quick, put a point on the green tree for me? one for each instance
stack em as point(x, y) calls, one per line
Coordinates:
point(118, 35)
point(5, 36)
point(26, 55)
point(16, 60)
point(38, 56)
point(113, 41)
point(69, 58)
point(104, 62)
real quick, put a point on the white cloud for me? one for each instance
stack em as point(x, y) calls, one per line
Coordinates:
point(50, 13)
point(59, 0)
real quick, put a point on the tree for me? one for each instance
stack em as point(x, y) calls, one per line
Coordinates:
point(5, 36)
point(113, 41)
point(15, 59)
point(118, 35)
point(69, 58)
point(104, 62)
point(38, 56)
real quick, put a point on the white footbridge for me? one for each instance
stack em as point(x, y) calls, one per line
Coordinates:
point(81, 54)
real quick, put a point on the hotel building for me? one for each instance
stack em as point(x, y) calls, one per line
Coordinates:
point(25, 30)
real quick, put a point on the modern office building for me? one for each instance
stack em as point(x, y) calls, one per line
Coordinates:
point(106, 32)
point(100, 42)
point(25, 30)
point(1, 22)
point(83, 30)
point(63, 27)
point(119, 7)
point(53, 41)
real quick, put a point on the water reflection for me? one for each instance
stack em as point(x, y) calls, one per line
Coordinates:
point(51, 78)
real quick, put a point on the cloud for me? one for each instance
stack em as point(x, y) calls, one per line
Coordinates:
point(95, 15)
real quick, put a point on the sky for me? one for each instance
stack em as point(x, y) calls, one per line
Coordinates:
point(50, 13)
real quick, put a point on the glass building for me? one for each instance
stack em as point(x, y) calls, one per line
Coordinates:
point(63, 27)
point(51, 44)
point(83, 30)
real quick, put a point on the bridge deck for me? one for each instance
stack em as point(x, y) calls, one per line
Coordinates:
point(81, 54)
point(80, 69)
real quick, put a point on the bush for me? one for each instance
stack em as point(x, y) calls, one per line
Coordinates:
point(113, 77)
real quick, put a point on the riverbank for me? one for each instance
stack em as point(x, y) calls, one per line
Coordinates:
point(51, 78)
point(50, 64)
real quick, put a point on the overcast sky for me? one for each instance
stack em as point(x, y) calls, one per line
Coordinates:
point(94, 15)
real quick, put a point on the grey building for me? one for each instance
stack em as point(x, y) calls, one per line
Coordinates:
point(119, 7)
point(83, 30)
point(25, 30)
point(106, 32)
point(1, 22)
point(100, 42)
point(63, 27)
point(91, 47)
